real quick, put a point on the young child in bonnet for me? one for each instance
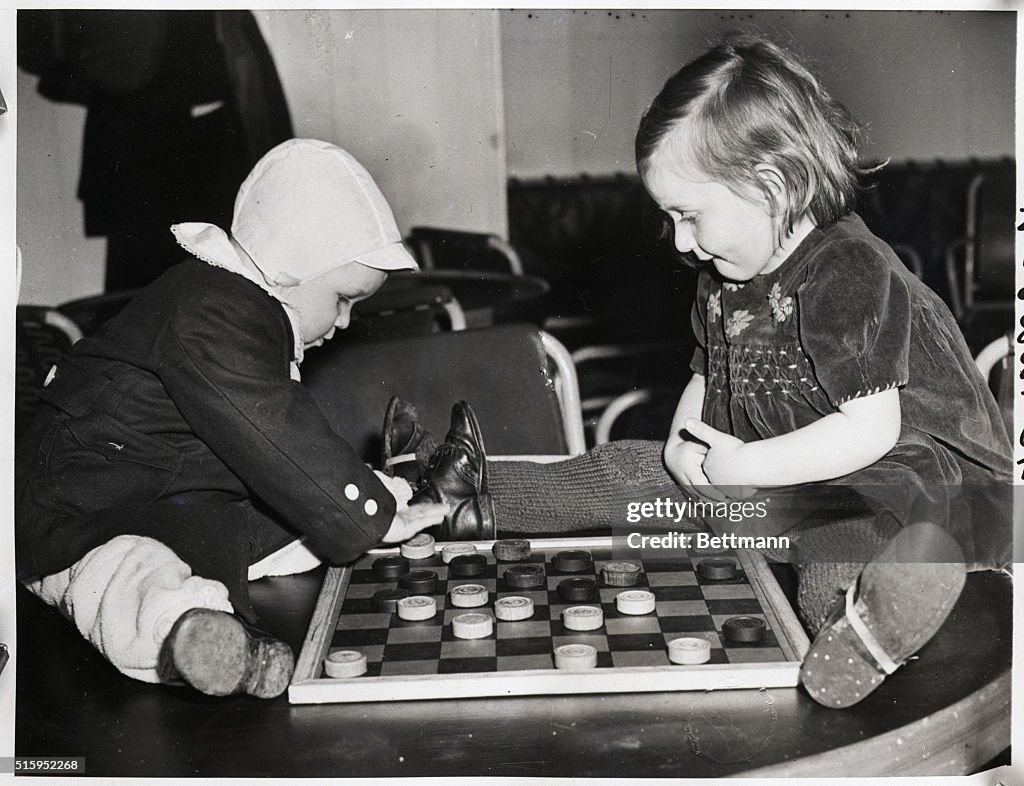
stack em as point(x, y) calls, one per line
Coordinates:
point(177, 456)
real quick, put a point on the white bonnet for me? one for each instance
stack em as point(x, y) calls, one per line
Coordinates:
point(308, 207)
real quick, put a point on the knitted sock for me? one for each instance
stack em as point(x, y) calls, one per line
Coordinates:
point(821, 576)
point(819, 586)
point(585, 492)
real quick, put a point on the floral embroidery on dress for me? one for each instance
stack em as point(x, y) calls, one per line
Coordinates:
point(782, 307)
point(738, 322)
point(714, 306)
point(732, 287)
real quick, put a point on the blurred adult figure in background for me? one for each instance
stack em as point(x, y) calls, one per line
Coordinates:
point(180, 105)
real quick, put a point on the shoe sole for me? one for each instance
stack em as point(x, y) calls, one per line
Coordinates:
point(215, 654)
point(838, 671)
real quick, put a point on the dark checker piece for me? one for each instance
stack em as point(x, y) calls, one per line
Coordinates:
point(390, 567)
point(511, 550)
point(419, 582)
point(387, 599)
point(524, 576)
point(468, 565)
point(717, 569)
point(573, 561)
point(578, 589)
point(744, 630)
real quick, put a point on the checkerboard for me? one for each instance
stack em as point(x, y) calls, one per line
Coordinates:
point(423, 659)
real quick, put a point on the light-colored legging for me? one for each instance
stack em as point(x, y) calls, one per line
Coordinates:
point(125, 595)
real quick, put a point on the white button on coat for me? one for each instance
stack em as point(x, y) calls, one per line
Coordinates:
point(352, 492)
point(370, 507)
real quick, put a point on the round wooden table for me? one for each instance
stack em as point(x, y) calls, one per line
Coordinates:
point(946, 712)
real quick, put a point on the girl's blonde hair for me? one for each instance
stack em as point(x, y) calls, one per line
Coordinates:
point(747, 102)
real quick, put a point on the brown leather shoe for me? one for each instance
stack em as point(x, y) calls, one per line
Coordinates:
point(407, 446)
point(218, 654)
point(457, 476)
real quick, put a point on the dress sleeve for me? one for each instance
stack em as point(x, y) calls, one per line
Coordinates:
point(855, 322)
point(224, 362)
point(699, 324)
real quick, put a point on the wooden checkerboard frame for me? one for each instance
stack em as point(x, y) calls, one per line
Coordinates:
point(311, 686)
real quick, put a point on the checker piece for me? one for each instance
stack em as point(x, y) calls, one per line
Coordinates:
point(418, 547)
point(524, 576)
point(466, 596)
point(583, 618)
point(689, 651)
point(575, 657)
point(453, 550)
point(391, 566)
point(417, 607)
point(717, 569)
point(472, 625)
point(621, 574)
point(635, 602)
point(744, 630)
point(573, 561)
point(419, 582)
point(512, 608)
point(511, 550)
point(468, 565)
point(345, 663)
point(577, 590)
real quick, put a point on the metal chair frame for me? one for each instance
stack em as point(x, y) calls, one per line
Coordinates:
point(567, 389)
point(962, 293)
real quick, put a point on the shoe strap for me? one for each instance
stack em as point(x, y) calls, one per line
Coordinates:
point(402, 458)
point(866, 636)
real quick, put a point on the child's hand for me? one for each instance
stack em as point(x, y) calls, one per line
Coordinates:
point(720, 463)
point(412, 519)
point(399, 488)
point(684, 461)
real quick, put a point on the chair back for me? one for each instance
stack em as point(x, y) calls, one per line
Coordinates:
point(994, 267)
point(504, 372)
point(452, 249)
point(42, 335)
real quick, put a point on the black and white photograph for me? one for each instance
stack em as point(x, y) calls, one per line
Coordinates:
point(511, 394)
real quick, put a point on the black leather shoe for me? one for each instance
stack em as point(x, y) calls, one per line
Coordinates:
point(407, 446)
point(218, 654)
point(457, 476)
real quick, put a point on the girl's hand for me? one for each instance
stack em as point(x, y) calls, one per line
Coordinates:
point(684, 459)
point(721, 464)
point(413, 519)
